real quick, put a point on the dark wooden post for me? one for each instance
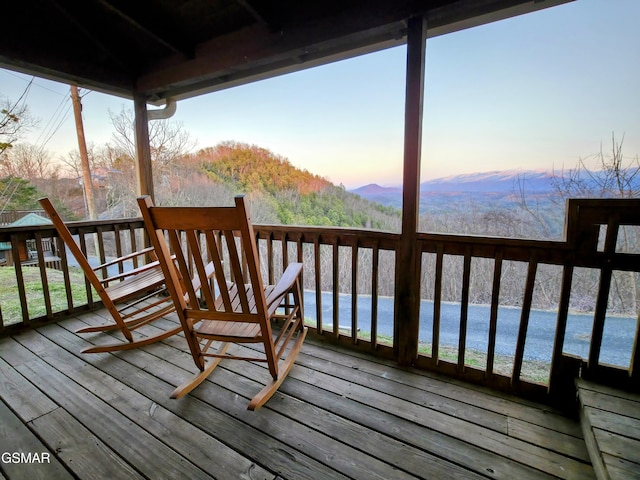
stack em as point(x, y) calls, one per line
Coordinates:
point(143, 150)
point(407, 294)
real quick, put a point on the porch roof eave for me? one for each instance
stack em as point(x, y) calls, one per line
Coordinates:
point(148, 58)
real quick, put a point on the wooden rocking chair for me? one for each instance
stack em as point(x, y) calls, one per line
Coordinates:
point(237, 308)
point(133, 298)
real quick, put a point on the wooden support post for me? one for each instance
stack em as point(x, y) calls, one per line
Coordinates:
point(634, 371)
point(407, 294)
point(143, 150)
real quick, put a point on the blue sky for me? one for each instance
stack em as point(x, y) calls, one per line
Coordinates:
point(537, 91)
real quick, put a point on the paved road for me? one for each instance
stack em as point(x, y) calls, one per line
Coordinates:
point(616, 348)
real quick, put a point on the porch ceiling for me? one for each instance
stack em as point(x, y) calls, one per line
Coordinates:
point(182, 48)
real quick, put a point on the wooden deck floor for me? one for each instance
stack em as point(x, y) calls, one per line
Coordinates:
point(339, 415)
point(610, 421)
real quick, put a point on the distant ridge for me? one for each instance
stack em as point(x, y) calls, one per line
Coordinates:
point(375, 189)
point(494, 186)
point(494, 181)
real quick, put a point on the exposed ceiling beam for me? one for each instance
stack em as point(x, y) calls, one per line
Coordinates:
point(254, 13)
point(101, 45)
point(172, 44)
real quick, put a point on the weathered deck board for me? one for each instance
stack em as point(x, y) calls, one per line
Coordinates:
point(611, 420)
point(338, 415)
point(89, 456)
point(16, 438)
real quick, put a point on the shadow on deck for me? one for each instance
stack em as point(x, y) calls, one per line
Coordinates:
point(339, 414)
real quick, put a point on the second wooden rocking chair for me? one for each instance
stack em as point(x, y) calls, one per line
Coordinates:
point(237, 308)
point(133, 297)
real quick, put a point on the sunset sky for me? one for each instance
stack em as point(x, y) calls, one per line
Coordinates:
point(538, 91)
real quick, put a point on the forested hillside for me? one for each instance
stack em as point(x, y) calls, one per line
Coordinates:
point(293, 196)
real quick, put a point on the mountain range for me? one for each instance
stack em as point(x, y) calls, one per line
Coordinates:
point(497, 184)
point(495, 181)
point(504, 186)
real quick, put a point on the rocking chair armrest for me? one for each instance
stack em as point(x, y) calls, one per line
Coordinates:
point(124, 258)
point(131, 273)
point(287, 280)
point(135, 271)
point(209, 270)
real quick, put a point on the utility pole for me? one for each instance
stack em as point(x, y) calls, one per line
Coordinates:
point(84, 155)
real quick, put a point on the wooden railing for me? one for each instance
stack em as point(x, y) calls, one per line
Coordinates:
point(333, 267)
point(593, 229)
point(349, 279)
point(38, 249)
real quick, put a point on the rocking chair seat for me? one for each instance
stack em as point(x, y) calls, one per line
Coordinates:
point(146, 280)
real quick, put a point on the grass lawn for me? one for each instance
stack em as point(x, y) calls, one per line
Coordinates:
point(10, 299)
point(533, 371)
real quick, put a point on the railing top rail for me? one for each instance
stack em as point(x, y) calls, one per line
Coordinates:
point(86, 226)
point(330, 235)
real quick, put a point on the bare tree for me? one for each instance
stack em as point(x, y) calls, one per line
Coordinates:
point(14, 120)
point(601, 175)
point(72, 162)
point(27, 161)
point(168, 139)
point(169, 143)
point(612, 176)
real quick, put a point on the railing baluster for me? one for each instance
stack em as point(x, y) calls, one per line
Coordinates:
point(100, 253)
point(83, 246)
point(561, 326)
point(270, 260)
point(43, 275)
point(493, 317)
point(48, 252)
point(285, 252)
point(132, 239)
point(64, 266)
point(336, 289)
point(464, 308)
point(354, 291)
point(317, 270)
point(300, 259)
point(16, 240)
point(116, 234)
point(524, 319)
point(604, 287)
point(437, 298)
point(374, 296)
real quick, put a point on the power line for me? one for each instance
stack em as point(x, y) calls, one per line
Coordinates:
point(15, 105)
point(6, 204)
point(52, 118)
point(58, 116)
point(9, 72)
